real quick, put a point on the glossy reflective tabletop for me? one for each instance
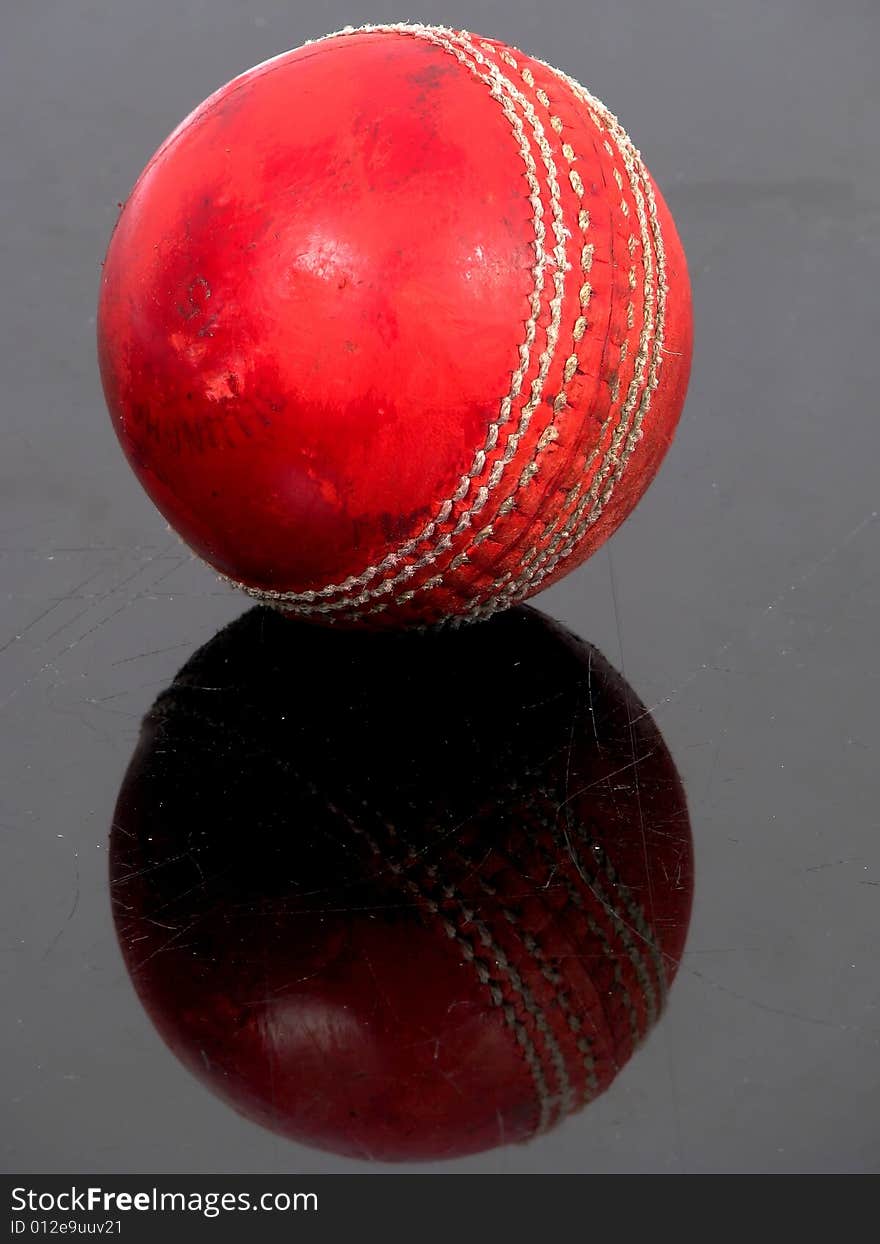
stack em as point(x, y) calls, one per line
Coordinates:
point(297, 805)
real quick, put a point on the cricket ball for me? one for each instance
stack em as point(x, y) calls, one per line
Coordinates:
point(396, 327)
point(401, 896)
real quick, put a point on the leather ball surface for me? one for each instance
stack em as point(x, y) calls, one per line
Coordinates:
point(396, 327)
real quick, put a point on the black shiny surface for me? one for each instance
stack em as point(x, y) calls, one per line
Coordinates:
point(740, 601)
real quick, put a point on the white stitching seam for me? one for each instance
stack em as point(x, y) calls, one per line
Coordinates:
point(614, 461)
point(614, 464)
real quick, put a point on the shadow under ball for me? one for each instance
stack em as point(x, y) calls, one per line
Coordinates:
point(396, 327)
point(401, 896)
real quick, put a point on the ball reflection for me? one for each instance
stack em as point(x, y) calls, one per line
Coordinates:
point(401, 896)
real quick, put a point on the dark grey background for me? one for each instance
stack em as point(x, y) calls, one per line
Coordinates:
point(741, 600)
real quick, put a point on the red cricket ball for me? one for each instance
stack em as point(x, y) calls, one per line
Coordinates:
point(396, 327)
point(401, 896)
